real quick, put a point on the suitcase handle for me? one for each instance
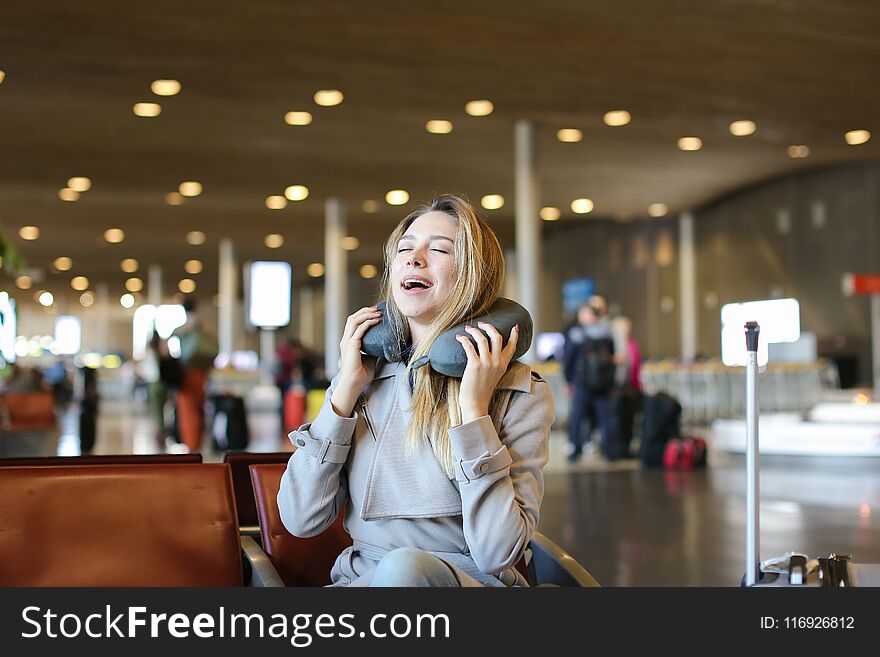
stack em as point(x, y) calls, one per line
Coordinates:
point(753, 538)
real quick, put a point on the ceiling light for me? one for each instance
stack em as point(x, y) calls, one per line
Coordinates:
point(46, 299)
point(569, 135)
point(29, 232)
point(296, 192)
point(174, 198)
point(397, 197)
point(274, 241)
point(79, 283)
point(195, 237)
point(690, 143)
point(328, 97)
point(370, 206)
point(2, 76)
point(190, 188)
point(86, 299)
point(79, 184)
point(276, 202)
point(67, 194)
point(193, 267)
point(350, 243)
point(856, 137)
point(550, 213)
point(165, 87)
point(147, 110)
point(479, 107)
point(439, 127)
point(796, 151)
point(24, 282)
point(126, 300)
point(582, 205)
point(297, 118)
point(315, 270)
point(129, 265)
point(657, 210)
point(369, 271)
point(134, 284)
point(63, 263)
point(743, 128)
point(492, 201)
point(114, 235)
point(186, 285)
point(617, 118)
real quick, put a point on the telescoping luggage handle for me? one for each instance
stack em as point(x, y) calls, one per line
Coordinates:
point(753, 550)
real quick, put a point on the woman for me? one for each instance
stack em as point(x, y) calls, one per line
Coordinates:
point(441, 478)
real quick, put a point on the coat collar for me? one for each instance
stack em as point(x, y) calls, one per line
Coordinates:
point(518, 376)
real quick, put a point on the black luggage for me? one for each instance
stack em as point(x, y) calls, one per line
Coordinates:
point(229, 428)
point(661, 417)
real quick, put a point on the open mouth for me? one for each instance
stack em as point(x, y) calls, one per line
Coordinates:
point(412, 283)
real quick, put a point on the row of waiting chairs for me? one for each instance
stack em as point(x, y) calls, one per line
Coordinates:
point(171, 520)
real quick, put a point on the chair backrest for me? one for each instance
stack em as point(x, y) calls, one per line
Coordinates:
point(299, 561)
point(28, 411)
point(102, 459)
point(119, 525)
point(239, 462)
point(551, 565)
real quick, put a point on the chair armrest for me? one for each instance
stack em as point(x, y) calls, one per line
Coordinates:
point(544, 550)
point(263, 573)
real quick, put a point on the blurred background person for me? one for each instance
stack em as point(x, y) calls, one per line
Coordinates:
point(627, 393)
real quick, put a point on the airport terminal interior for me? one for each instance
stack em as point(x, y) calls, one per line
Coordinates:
point(657, 174)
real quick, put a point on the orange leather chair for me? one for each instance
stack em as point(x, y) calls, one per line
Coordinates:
point(299, 561)
point(239, 462)
point(121, 525)
point(28, 411)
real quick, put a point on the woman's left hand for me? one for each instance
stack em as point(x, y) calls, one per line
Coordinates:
point(487, 363)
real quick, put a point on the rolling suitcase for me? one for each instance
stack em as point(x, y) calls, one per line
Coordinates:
point(792, 568)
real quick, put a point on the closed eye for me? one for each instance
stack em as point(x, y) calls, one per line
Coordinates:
point(440, 251)
point(402, 250)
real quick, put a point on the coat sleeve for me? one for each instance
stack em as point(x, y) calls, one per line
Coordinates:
point(501, 477)
point(313, 488)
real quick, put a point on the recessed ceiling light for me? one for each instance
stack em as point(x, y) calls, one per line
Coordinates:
point(439, 127)
point(397, 197)
point(165, 87)
point(617, 118)
point(134, 284)
point(193, 267)
point(46, 299)
point(67, 194)
point(87, 299)
point(174, 198)
point(79, 184)
point(186, 285)
point(195, 237)
point(298, 118)
point(2, 76)
point(274, 240)
point(29, 233)
point(569, 135)
point(190, 188)
point(856, 137)
point(296, 192)
point(114, 235)
point(370, 206)
point(550, 213)
point(796, 151)
point(657, 209)
point(743, 128)
point(479, 107)
point(79, 283)
point(582, 206)
point(24, 282)
point(350, 243)
point(492, 201)
point(63, 263)
point(690, 143)
point(126, 301)
point(147, 110)
point(369, 271)
point(315, 270)
point(276, 202)
point(129, 265)
point(328, 97)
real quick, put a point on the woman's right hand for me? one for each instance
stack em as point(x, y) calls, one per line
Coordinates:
point(355, 369)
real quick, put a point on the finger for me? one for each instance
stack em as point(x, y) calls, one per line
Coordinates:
point(354, 320)
point(468, 348)
point(362, 328)
point(512, 341)
point(494, 337)
point(482, 342)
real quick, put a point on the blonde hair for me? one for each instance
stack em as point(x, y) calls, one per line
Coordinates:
point(479, 264)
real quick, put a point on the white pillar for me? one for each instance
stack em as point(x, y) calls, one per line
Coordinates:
point(335, 283)
point(528, 227)
point(154, 283)
point(102, 301)
point(228, 283)
point(267, 355)
point(307, 316)
point(875, 342)
point(687, 271)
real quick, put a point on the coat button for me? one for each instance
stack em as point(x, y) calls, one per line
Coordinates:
point(484, 467)
point(300, 442)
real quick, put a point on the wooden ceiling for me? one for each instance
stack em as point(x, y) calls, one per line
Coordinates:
point(803, 70)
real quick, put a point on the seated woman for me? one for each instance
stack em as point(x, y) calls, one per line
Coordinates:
point(441, 478)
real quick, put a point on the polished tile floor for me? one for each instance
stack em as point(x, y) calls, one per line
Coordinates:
point(634, 527)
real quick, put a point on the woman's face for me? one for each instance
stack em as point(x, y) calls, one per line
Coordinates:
point(423, 271)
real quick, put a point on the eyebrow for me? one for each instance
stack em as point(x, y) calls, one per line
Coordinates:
point(431, 238)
